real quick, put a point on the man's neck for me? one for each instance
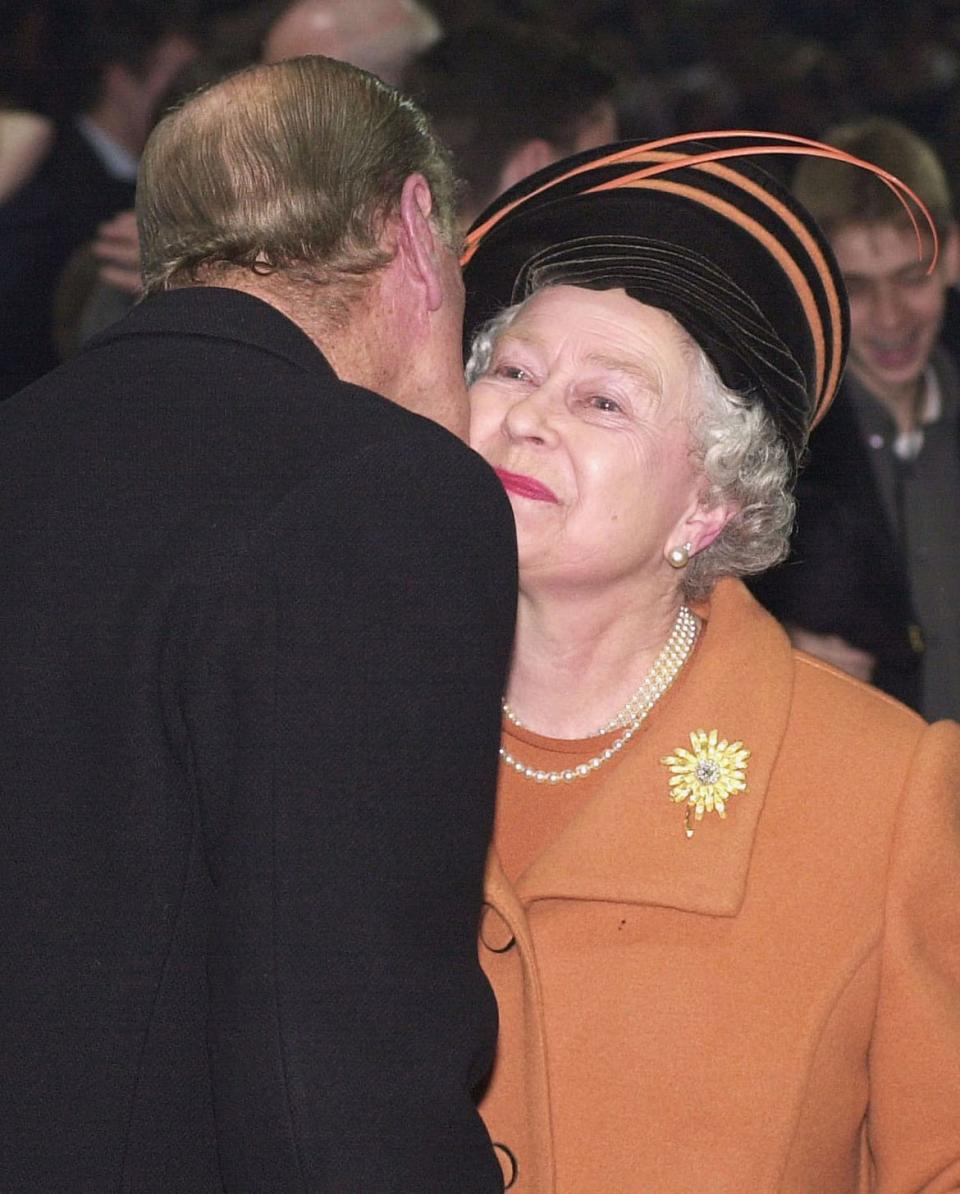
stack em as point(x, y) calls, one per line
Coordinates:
point(367, 346)
point(383, 355)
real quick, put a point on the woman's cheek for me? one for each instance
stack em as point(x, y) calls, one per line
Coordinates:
point(484, 417)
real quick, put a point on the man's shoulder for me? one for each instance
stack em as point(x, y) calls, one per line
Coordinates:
point(173, 356)
point(210, 313)
point(401, 480)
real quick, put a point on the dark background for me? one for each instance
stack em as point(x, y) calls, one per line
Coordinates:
point(683, 65)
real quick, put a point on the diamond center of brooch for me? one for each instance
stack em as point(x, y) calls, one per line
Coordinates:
point(708, 771)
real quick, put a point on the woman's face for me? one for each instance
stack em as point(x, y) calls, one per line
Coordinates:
point(584, 413)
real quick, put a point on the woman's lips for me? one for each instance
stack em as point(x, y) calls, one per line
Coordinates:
point(525, 486)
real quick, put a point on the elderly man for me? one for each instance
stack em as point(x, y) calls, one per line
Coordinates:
point(254, 623)
point(379, 35)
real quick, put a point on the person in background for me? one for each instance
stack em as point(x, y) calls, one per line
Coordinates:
point(380, 36)
point(25, 138)
point(88, 175)
point(255, 614)
point(508, 100)
point(873, 583)
point(723, 921)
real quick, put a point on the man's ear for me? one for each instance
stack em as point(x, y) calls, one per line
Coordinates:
point(527, 158)
point(419, 240)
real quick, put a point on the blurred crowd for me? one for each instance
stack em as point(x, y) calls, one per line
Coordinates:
point(681, 64)
point(510, 86)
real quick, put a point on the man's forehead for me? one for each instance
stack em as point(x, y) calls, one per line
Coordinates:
point(879, 246)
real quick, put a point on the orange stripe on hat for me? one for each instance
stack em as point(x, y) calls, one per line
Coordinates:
point(767, 239)
point(826, 382)
point(787, 144)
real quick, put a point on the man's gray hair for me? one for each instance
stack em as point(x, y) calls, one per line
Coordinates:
point(291, 169)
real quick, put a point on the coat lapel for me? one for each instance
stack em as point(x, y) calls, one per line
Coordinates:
point(628, 844)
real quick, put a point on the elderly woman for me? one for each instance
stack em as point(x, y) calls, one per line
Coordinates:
point(723, 905)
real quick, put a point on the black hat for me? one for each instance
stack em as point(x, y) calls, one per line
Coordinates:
point(697, 231)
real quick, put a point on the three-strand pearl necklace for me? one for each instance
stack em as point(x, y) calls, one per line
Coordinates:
point(665, 669)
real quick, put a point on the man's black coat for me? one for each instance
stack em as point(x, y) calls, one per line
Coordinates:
point(254, 624)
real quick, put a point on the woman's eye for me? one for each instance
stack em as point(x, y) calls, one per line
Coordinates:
point(608, 405)
point(511, 372)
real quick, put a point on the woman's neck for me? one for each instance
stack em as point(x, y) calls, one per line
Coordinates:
point(579, 658)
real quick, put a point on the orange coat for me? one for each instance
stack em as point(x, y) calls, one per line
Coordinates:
point(771, 1005)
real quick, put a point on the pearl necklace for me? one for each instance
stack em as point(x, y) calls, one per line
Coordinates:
point(665, 669)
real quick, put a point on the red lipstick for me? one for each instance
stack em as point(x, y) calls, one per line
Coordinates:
point(525, 486)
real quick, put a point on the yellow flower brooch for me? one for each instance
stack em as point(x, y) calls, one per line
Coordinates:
point(706, 777)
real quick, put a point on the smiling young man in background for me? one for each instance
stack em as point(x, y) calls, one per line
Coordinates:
point(873, 585)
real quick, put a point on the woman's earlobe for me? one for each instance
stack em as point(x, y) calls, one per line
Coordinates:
point(706, 526)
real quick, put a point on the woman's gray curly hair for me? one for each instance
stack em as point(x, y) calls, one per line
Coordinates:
point(745, 465)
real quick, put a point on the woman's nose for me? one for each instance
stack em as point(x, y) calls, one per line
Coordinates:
point(530, 418)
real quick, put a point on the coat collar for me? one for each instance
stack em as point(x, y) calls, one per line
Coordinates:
point(627, 845)
point(220, 313)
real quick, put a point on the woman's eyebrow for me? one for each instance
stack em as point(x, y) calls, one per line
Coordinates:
point(509, 336)
point(641, 370)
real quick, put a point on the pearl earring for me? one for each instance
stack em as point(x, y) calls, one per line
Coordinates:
point(679, 557)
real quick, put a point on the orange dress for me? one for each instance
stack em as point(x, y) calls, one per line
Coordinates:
point(770, 1005)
